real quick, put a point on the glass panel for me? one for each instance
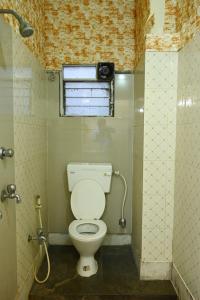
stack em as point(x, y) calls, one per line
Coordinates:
point(87, 102)
point(85, 85)
point(86, 111)
point(86, 98)
point(86, 93)
point(77, 72)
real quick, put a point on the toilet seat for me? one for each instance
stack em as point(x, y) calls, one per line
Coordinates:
point(88, 200)
point(74, 226)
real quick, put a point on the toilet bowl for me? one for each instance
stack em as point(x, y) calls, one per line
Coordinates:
point(87, 236)
point(88, 184)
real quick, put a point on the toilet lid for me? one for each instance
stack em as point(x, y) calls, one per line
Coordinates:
point(87, 200)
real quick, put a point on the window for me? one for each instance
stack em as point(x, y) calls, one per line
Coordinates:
point(83, 95)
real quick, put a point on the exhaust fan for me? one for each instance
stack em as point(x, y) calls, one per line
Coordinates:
point(105, 71)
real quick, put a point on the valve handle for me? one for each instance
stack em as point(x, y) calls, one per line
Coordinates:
point(11, 188)
point(6, 152)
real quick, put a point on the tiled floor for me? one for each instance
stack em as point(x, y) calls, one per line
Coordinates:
point(117, 278)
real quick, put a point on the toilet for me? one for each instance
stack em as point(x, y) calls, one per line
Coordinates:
point(88, 184)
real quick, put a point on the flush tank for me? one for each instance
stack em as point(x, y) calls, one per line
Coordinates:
point(99, 172)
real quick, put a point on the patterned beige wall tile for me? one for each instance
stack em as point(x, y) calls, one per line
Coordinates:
point(156, 179)
point(186, 242)
point(154, 183)
point(160, 70)
point(157, 140)
point(153, 243)
point(159, 156)
point(156, 106)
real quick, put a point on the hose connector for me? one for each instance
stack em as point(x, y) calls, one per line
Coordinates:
point(40, 237)
point(122, 222)
point(116, 173)
point(38, 204)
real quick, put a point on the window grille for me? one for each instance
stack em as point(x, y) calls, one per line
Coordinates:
point(84, 95)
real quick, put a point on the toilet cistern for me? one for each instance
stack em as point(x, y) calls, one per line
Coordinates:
point(88, 184)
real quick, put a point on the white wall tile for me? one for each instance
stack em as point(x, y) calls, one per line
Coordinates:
point(159, 156)
point(186, 241)
point(138, 131)
point(30, 140)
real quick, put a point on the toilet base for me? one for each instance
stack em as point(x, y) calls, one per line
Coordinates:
point(87, 266)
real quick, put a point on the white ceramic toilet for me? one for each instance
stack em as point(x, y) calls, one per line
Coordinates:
point(88, 184)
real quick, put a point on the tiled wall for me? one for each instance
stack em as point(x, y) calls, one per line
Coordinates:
point(93, 139)
point(154, 156)
point(30, 144)
point(158, 168)
point(186, 245)
point(105, 23)
point(8, 256)
point(181, 22)
point(138, 146)
point(89, 31)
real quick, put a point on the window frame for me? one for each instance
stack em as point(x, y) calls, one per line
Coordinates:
point(62, 93)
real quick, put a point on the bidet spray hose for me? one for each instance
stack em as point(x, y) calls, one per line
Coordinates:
point(38, 207)
point(117, 173)
point(48, 266)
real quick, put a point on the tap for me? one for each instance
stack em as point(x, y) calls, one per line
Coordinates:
point(40, 237)
point(10, 193)
point(16, 197)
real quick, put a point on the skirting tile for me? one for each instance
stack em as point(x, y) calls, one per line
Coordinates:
point(155, 270)
point(110, 239)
